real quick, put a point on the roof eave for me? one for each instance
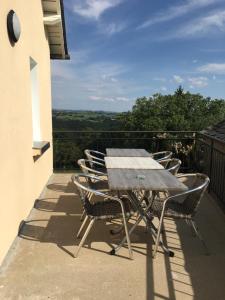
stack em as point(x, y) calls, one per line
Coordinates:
point(67, 56)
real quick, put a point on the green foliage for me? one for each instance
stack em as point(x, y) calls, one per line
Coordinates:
point(180, 111)
point(84, 120)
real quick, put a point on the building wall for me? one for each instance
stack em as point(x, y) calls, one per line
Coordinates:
point(21, 178)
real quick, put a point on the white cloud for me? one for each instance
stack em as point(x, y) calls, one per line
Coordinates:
point(178, 79)
point(65, 69)
point(198, 82)
point(162, 79)
point(108, 77)
point(112, 28)
point(113, 79)
point(213, 68)
point(95, 98)
point(124, 99)
point(93, 9)
point(163, 88)
point(177, 11)
point(203, 25)
point(109, 99)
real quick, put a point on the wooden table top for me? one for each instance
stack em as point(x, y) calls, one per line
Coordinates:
point(117, 152)
point(134, 173)
point(138, 163)
point(150, 180)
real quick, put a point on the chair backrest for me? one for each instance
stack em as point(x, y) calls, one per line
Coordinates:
point(159, 156)
point(172, 165)
point(95, 155)
point(91, 167)
point(197, 186)
point(85, 191)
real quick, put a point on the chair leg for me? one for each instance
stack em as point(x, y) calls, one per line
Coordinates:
point(191, 228)
point(199, 236)
point(89, 195)
point(113, 251)
point(82, 226)
point(84, 237)
point(82, 216)
point(127, 235)
point(158, 235)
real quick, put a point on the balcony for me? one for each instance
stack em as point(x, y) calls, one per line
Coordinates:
point(40, 264)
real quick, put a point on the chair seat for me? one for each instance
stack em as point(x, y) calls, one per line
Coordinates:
point(110, 209)
point(101, 185)
point(173, 209)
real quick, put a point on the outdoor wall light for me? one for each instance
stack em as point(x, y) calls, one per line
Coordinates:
point(13, 26)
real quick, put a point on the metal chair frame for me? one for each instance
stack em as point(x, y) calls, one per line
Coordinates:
point(175, 168)
point(167, 155)
point(87, 170)
point(201, 188)
point(85, 192)
point(94, 155)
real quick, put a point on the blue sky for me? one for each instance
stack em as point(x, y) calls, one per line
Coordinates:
point(124, 49)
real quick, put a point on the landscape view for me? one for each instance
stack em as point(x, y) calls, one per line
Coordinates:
point(158, 66)
point(75, 131)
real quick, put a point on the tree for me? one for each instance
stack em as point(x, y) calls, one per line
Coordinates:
point(181, 111)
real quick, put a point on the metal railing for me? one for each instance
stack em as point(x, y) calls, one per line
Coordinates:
point(210, 159)
point(69, 146)
point(196, 151)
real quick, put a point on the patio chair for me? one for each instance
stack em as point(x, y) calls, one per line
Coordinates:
point(181, 206)
point(95, 155)
point(111, 207)
point(89, 167)
point(159, 156)
point(85, 166)
point(171, 164)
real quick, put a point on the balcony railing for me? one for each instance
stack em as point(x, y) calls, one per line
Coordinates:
point(197, 152)
point(210, 159)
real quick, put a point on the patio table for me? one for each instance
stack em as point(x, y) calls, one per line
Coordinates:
point(117, 152)
point(130, 174)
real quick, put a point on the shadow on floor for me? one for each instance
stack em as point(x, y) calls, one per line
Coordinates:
point(65, 204)
point(189, 275)
point(61, 187)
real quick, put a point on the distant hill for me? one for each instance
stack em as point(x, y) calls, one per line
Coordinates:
point(84, 120)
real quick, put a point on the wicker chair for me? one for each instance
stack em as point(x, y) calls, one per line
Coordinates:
point(159, 156)
point(111, 207)
point(181, 206)
point(95, 155)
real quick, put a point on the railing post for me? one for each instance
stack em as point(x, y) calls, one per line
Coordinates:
point(211, 162)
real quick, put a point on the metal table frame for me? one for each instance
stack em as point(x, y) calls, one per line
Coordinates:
point(147, 218)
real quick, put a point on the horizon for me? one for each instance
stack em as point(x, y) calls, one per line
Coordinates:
point(122, 50)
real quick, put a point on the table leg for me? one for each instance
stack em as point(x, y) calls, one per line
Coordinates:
point(148, 221)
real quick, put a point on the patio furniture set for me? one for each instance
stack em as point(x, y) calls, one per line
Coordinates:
point(138, 184)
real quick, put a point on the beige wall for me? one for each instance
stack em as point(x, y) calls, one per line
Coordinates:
point(21, 179)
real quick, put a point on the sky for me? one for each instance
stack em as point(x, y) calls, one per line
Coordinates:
point(124, 49)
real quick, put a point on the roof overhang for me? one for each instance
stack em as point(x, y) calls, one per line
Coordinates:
point(54, 21)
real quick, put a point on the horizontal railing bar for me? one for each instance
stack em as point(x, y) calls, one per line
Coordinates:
point(211, 137)
point(129, 138)
point(118, 131)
